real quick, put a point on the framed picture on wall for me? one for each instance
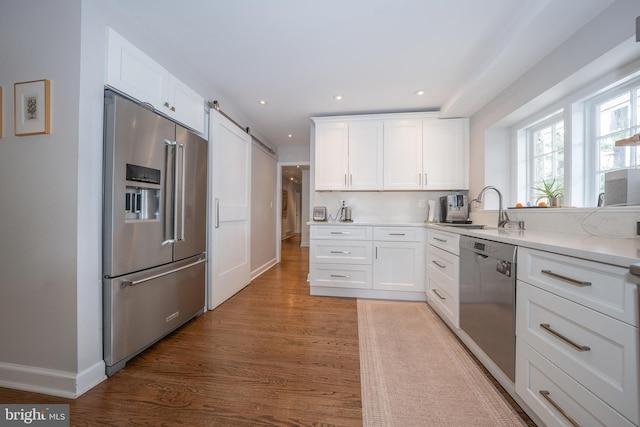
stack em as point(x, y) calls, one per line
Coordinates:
point(32, 108)
point(285, 196)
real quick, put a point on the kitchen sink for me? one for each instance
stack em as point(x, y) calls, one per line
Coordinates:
point(467, 226)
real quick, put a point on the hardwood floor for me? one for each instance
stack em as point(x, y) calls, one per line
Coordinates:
point(271, 355)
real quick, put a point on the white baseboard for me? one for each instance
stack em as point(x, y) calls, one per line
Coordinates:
point(258, 271)
point(50, 381)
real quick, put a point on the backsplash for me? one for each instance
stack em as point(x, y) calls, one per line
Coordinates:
point(411, 206)
point(614, 222)
point(382, 206)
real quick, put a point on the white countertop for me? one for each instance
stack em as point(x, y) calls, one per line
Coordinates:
point(616, 251)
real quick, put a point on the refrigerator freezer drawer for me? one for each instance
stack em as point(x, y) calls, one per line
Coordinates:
point(141, 308)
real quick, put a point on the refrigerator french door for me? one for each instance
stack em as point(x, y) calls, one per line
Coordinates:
point(154, 228)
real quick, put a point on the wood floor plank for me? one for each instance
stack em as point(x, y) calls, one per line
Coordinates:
point(271, 355)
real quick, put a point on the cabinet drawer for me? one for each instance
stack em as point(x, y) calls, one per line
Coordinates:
point(341, 232)
point(442, 301)
point(399, 234)
point(607, 363)
point(443, 262)
point(603, 287)
point(332, 251)
point(341, 276)
point(535, 374)
point(450, 242)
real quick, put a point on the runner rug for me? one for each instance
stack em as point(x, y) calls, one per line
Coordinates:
point(414, 372)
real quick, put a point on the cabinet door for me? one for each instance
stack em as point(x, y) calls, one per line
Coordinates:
point(365, 155)
point(403, 154)
point(445, 145)
point(184, 105)
point(399, 266)
point(332, 151)
point(132, 72)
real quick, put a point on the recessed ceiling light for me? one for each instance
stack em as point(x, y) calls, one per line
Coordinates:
point(290, 136)
point(420, 92)
point(338, 97)
point(262, 102)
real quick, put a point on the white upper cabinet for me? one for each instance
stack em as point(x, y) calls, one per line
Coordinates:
point(403, 154)
point(426, 154)
point(444, 154)
point(132, 72)
point(332, 156)
point(404, 151)
point(348, 155)
point(365, 155)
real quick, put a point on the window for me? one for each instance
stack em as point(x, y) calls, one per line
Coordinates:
point(546, 148)
point(614, 115)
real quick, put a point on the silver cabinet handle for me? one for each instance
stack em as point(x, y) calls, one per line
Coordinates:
point(341, 232)
point(546, 395)
point(341, 276)
point(217, 213)
point(572, 343)
point(340, 252)
point(440, 240)
point(439, 264)
point(565, 278)
point(435, 291)
point(166, 273)
point(397, 234)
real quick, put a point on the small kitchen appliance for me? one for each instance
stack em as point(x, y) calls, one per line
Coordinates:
point(622, 187)
point(320, 213)
point(454, 209)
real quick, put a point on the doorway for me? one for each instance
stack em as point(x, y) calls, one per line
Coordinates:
point(293, 203)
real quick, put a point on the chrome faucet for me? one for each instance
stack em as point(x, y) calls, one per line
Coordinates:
point(503, 218)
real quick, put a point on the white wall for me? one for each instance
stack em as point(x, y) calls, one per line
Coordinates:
point(49, 236)
point(264, 211)
point(584, 57)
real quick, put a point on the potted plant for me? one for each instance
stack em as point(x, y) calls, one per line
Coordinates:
point(552, 190)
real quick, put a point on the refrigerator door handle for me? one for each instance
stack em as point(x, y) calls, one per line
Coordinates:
point(166, 273)
point(174, 226)
point(182, 196)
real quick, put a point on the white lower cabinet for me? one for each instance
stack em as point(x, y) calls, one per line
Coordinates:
point(367, 262)
point(399, 266)
point(443, 284)
point(577, 347)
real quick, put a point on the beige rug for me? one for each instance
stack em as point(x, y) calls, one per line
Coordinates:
point(415, 373)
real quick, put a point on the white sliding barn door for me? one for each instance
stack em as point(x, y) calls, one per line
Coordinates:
point(229, 239)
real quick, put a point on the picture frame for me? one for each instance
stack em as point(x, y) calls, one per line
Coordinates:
point(32, 107)
point(285, 199)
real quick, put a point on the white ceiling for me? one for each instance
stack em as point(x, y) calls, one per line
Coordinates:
point(298, 54)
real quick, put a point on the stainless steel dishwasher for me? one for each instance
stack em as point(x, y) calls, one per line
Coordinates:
point(487, 298)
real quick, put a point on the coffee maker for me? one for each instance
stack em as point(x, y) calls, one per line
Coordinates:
point(454, 209)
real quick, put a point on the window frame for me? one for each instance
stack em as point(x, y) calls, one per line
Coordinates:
point(549, 121)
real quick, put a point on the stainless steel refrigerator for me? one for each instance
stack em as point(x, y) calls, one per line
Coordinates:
point(154, 228)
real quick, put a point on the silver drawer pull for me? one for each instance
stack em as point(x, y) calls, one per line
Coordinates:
point(340, 252)
point(572, 343)
point(566, 279)
point(341, 276)
point(340, 232)
point(397, 234)
point(439, 264)
point(435, 291)
point(545, 394)
point(440, 240)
